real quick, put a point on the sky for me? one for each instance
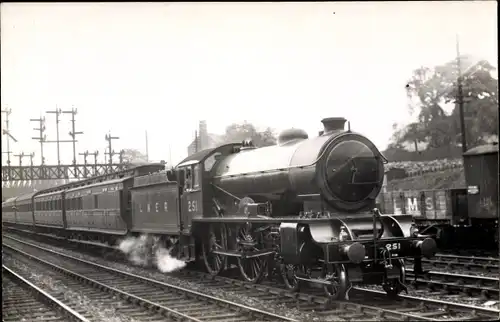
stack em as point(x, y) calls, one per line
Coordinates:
point(163, 67)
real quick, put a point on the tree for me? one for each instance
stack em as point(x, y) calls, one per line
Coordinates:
point(237, 132)
point(134, 157)
point(480, 95)
point(429, 89)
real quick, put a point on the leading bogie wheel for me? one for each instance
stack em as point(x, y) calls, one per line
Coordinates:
point(336, 276)
point(394, 286)
point(288, 273)
point(216, 240)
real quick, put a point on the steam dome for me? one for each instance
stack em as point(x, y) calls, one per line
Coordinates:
point(291, 135)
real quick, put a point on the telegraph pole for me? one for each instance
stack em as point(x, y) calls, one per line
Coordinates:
point(6, 132)
point(41, 138)
point(460, 99)
point(111, 152)
point(73, 133)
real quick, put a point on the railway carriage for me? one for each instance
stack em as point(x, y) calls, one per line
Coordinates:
point(8, 210)
point(99, 208)
point(24, 209)
point(48, 210)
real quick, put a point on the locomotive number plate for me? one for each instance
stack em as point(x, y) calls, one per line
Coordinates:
point(393, 246)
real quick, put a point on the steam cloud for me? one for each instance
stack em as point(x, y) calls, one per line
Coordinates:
point(140, 250)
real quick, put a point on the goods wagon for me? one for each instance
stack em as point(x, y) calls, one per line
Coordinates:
point(460, 217)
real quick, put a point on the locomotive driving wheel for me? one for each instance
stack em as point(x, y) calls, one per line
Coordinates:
point(216, 240)
point(252, 268)
point(336, 276)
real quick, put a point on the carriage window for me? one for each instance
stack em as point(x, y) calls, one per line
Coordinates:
point(96, 202)
point(196, 176)
point(80, 203)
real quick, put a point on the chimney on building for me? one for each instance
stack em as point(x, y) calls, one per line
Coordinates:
point(203, 135)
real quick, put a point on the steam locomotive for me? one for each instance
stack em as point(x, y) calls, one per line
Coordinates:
point(303, 209)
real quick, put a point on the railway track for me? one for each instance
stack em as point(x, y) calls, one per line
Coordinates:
point(24, 301)
point(161, 299)
point(364, 304)
point(451, 283)
point(463, 264)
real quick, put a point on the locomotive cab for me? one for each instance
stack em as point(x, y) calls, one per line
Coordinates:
point(194, 178)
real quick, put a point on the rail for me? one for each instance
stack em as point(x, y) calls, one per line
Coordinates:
point(364, 303)
point(136, 288)
point(42, 296)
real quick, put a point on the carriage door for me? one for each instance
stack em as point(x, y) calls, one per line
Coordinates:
point(191, 196)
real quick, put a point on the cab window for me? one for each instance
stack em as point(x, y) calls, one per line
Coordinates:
point(211, 160)
point(196, 176)
point(187, 179)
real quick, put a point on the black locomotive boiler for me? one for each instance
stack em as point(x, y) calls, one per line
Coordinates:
point(304, 208)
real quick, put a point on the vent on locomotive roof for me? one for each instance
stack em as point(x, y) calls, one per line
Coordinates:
point(333, 124)
point(291, 135)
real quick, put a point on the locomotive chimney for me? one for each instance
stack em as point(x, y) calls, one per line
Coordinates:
point(333, 124)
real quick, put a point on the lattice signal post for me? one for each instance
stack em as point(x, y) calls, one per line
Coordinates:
point(73, 133)
point(110, 152)
point(11, 174)
point(42, 138)
point(6, 131)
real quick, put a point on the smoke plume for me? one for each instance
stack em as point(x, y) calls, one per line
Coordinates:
point(146, 250)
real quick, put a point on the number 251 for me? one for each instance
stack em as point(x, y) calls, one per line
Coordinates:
point(192, 206)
